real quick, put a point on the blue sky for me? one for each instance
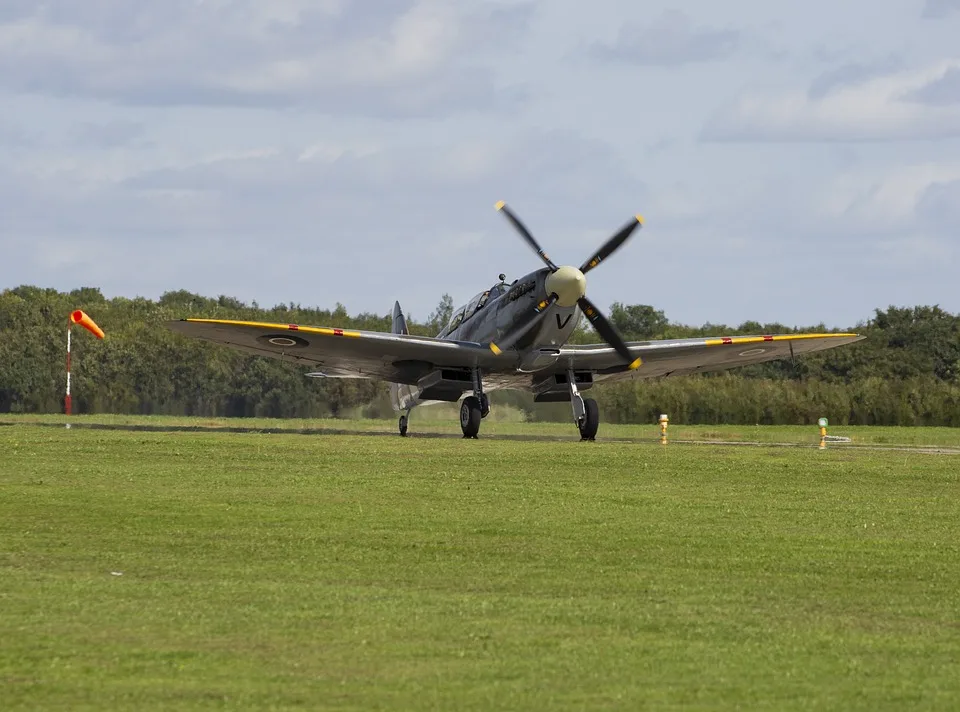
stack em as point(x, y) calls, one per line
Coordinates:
point(794, 162)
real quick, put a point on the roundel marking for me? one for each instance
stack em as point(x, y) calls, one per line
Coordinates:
point(285, 341)
point(753, 352)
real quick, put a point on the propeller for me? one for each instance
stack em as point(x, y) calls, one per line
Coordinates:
point(613, 244)
point(606, 330)
point(522, 229)
point(567, 286)
point(540, 312)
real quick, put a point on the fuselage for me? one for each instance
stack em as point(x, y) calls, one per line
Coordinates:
point(500, 309)
point(496, 311)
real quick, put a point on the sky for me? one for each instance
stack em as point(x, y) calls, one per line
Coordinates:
point(794, 162)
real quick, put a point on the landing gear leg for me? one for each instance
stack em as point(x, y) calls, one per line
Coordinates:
point(404, 419)
point(474, 408)
point(586, 414)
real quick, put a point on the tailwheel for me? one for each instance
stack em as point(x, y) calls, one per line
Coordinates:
point(470, 415)
point(403, 426)
point(590, 421)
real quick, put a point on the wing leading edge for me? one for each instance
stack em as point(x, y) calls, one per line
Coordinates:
point(684, 356)
point(401, 358)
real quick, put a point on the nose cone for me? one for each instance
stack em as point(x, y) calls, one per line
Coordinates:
point(568, 283)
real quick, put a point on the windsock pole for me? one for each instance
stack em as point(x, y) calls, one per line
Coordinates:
point(66, 402)
point(77, 317)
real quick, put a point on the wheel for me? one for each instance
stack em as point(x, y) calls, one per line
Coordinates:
point(403, 426)
point(470, 416)
point(591, 420)
point(484, 405)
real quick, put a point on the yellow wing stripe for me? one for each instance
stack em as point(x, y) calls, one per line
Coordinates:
point(781, 337)
point(323, 330)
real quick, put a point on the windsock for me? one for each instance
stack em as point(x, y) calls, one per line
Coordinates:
point(79, 317)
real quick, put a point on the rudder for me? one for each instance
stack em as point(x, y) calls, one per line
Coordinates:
point(399, 322)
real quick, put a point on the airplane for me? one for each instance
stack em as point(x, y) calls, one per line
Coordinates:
point(508, 336)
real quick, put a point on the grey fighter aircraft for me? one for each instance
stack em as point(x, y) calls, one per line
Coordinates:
point(508, 336)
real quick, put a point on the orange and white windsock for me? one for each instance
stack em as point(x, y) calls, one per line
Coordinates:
point(81, 318)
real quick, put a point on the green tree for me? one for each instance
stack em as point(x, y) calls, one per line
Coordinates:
point(440, 316)
point(638, 322)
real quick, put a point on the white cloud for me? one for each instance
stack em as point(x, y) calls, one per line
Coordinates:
point(886, 198)
point(339, 201)
point(670, 39)
point(940, 8)
point(940, 204)
point(402, 56)
point(257, 149)
point(876, 108)
point(942, 91)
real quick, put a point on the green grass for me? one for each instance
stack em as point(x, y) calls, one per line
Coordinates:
point(362, 572)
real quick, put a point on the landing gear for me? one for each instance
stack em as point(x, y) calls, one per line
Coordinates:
point(474, 408)
point(403, 425)
point(470, 416)
point(591, 420)
point(586, 414)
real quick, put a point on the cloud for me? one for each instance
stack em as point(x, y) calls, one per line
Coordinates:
point(318, 222)
point(851, 73)
point(903, 217)
point(407, 57)
point(940, 204)
point(935, 9)
point(16, 136)
point(337, 186)
point(671, 39)
point(855, 107)
point(890, 201)
point(942, 91)
point(109, 134)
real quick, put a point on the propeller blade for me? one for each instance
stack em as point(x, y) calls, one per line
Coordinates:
point(539, 313)
point(613, 244)
point(606, 330)
point(522, 229)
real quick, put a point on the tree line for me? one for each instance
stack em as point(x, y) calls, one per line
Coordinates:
point(907, 371)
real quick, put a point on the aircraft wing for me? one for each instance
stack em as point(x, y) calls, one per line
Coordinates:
point(404, 358)
point(343, 353)
point(684, 356)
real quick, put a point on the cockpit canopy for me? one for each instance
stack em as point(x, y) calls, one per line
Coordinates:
point(478, 302)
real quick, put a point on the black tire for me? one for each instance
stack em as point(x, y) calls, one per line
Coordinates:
point(403, 426)
point(484, 406)
point(591, 420)
point(470, 416)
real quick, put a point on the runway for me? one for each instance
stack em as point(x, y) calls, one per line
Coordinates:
point(926, 450)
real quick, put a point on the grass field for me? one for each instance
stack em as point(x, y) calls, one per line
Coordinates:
point(210, 570)
point(427, 422)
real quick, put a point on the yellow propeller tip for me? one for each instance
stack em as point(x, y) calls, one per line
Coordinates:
point(639, 218)
point(499, 205)
point(636, 364)
point(495, 349)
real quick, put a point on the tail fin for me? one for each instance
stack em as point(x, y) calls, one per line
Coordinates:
point(402, 397)
point(399, 323)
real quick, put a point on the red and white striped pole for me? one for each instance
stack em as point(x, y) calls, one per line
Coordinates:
point(67, 404)
point(77, 317)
